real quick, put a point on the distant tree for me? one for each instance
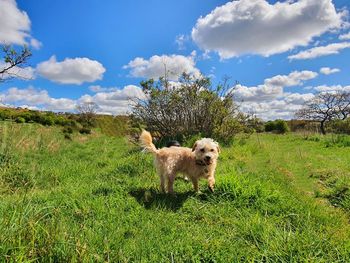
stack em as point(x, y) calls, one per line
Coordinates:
point(87, 112)
point(13, 59)
point(325, 107)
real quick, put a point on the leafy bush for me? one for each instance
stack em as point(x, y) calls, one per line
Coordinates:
point(270, 126)
point(67, 136)
point(20, 120)
point(85, 130)
point(48, 121)
point(281, 126)
point(278, 126)
point(68, 130)
point(190, 108)
point(5, 114)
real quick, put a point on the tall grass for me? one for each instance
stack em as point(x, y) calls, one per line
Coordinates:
point(96, 199)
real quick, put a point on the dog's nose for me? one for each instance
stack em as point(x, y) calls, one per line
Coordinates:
point(207, 158)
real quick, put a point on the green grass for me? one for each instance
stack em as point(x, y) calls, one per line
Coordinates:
point(95, 198)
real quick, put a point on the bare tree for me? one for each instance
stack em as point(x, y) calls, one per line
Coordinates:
point(326, 107)
point(343, 107)
point(13, 60)
point(87, 112)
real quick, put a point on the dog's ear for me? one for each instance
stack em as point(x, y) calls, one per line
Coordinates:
point(217, 147)
point(194, 146)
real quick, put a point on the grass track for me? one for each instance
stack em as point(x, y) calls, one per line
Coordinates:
point(96, 198)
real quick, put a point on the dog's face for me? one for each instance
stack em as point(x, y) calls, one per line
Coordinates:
point(206, 150)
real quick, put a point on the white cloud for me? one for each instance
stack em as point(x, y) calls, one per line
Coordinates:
point(345, 36)
point(273, 87)
point(270, 101)
point(115, 102)
point(35, 43)
point(15, 25)
point(98, 88)
point(71, 70)
point(325, 88)
point(328, 71)
point(281, 108)
point(257, 27)
point(293, 79)
point(259, 93)
point(37, 98)
point(180, 40)
point(316, 52)
point(156, 66)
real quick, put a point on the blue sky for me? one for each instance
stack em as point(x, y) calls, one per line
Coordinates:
point(281, 53)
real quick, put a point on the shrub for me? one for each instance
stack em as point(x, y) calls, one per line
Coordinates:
point(47, 120)
point(255, 124)
point(20, 120)
point(85, 130)
point(68, 130)
point(60, 120)
point(67, 136)
point(190, 108)
point(281, 126)
point(278, 126)
point(270, 126)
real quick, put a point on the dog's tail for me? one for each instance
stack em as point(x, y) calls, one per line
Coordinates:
point(146, 142)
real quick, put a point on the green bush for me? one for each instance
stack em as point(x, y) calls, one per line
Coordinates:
point(68, 130)
point(47, 120)
point(67, 136)
point(5, 114)
point(281, 126)
point(270, 126)
point(193, 107)
point(85, 130)
point(278, 126)
point(20, 120)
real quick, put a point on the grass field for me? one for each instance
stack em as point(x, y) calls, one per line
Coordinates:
point(278, 198)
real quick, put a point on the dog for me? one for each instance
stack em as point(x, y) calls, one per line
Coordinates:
point(198, 162)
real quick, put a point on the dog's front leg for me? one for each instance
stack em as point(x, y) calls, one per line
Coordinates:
point(171, 179)
point(195, 185)
point(211, 183)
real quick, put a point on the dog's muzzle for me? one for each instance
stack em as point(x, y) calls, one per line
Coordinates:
point(205, 162)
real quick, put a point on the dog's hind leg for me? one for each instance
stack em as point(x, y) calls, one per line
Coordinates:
point(162, 178)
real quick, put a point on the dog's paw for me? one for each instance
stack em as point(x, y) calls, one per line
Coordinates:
point(211, 189)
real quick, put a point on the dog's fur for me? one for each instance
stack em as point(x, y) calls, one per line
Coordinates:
point(198, 162)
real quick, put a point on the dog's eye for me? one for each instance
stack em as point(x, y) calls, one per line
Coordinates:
point(202, 150)
point(211, 150)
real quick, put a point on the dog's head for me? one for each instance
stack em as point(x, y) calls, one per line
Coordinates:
point(206, 151)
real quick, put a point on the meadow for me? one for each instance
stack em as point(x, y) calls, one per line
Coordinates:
point(95, 198)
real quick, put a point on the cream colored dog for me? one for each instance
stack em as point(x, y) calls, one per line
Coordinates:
point(198, 162)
